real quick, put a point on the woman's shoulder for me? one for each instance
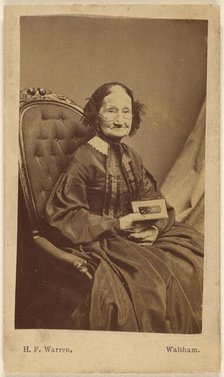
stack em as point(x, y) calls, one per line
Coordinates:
point(84, 156)
point(84, 151)
point(132, 152)
point(138, 162)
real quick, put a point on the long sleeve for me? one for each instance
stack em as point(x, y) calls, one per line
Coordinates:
point(149, 190)
point(67, 209)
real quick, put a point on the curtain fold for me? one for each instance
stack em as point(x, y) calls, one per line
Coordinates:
point(184, 184)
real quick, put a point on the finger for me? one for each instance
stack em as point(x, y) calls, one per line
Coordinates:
point(145, 233)
point(128, 229)
point(139, 229)
point(137, 236)
point(150, 239)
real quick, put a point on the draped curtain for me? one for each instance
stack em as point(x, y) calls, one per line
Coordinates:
point(184, 184)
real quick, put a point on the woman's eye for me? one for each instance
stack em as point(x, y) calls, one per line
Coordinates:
point(111, 110)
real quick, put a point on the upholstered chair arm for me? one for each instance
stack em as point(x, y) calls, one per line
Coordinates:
point(61, 255)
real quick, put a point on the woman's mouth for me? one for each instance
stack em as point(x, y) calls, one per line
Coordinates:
point(119, 126)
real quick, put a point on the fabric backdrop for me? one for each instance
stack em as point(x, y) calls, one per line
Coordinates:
point(184, 185)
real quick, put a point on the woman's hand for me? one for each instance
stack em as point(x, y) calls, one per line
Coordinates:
point(127, 222)
point(149, 235)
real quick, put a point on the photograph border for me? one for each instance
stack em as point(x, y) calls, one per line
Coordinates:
point(102, 351)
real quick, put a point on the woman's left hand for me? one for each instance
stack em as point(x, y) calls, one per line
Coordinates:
point(149, 235)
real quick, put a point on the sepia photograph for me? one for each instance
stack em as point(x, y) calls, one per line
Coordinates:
point(111, 181)
point(79, 173)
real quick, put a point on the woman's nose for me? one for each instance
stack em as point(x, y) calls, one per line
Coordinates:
point(119, 119)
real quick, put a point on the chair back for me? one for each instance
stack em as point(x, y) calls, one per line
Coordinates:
point(50, 130)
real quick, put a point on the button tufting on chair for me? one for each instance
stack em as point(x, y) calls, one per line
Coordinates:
point(50, 130)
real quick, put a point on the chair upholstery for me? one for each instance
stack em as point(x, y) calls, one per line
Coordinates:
point(50, 130)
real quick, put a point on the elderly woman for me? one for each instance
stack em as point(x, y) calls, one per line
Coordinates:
point(147, 274)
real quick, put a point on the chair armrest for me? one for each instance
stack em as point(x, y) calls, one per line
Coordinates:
point(61, 255)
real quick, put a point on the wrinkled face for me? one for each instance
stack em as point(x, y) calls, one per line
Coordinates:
point(116, 113)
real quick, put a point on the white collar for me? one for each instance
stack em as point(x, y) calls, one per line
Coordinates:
point(99, 144)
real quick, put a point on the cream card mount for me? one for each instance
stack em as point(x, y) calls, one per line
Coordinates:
point(150, 209)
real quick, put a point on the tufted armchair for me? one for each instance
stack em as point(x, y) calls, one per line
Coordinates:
point(50, 130)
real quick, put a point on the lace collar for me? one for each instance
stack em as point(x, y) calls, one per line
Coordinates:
point(100, 145)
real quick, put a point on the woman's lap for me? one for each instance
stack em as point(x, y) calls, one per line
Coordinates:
point(159, 286)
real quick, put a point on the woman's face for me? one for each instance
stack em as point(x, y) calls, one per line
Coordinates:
point(116, 113)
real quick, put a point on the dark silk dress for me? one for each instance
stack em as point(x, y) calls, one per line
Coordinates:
point(144, 288)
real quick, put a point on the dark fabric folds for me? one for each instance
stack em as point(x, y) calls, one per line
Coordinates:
point(150, 288)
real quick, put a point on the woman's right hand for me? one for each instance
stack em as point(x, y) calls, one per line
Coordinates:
point(127, 222)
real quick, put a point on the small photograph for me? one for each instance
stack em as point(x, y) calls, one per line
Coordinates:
point(150, 209)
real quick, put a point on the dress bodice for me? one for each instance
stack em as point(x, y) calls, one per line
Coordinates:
point(96, 190)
